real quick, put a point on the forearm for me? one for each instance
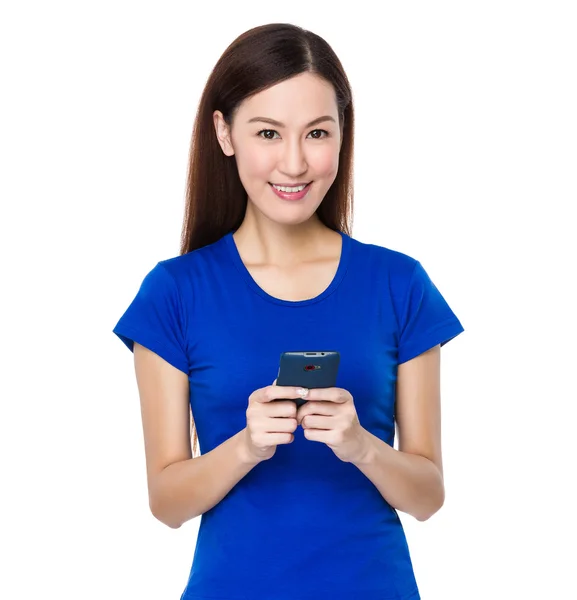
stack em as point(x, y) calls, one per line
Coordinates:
point(408, 482)
point(187, 489)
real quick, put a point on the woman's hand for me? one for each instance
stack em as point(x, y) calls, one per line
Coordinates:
point(330, 416)
point(270, 420)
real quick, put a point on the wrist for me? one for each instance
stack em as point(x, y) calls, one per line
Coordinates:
point(365, 455)
point(242, 449)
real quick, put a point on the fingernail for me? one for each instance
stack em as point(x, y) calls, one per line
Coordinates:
point(302, 392)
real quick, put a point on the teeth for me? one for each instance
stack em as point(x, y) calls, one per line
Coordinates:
point(300, 188)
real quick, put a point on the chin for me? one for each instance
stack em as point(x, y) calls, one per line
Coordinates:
point(295, 220)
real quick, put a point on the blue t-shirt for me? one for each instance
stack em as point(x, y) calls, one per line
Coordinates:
point(303, 524)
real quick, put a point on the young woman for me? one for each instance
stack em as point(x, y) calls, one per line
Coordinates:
point(294, 503)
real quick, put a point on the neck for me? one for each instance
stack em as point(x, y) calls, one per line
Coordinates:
point(262, 241)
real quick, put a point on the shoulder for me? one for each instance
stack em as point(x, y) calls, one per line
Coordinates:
point(397, 266)
point(184, 266)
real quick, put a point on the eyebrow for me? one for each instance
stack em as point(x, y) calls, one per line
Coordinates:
point(279, 124)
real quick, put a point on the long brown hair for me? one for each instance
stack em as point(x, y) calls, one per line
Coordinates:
point(259, 58)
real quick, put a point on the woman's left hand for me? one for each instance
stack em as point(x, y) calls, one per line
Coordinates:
point(330, 416)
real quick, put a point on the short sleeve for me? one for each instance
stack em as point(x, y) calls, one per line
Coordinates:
point(427, 319)
point(155, 319)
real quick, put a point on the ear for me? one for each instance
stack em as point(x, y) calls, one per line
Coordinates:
point(222, 133)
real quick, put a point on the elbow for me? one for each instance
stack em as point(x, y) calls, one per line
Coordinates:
point(434, 506)
point(425, 516)
point(161, 515)
point(164, 520)
point(422, 517)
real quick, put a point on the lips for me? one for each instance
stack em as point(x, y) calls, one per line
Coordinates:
point(291, 195)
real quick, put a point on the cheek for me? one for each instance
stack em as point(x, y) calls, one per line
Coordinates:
point(253, 162)
point(325, 163)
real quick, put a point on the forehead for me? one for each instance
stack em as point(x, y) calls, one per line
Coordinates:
point(294, 101)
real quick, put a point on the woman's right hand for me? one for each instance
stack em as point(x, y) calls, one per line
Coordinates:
point(270, 421)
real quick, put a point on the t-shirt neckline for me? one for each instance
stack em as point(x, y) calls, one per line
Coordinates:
point(245, 273)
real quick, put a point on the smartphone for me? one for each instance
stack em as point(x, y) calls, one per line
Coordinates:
point(311, 369)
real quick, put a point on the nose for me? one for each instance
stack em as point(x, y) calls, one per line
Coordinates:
point(293, 160)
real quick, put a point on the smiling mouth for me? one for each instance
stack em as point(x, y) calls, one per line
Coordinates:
point(294, 188)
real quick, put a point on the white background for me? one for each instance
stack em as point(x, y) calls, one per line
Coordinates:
point(466, 156)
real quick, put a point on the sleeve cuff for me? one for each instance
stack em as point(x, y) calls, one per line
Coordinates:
point(129, 336)
point(442, 334)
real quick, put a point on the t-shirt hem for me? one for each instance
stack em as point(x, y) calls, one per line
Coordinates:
point(364, 594)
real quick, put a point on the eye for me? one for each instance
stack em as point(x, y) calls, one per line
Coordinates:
point(321, 131)
point(266, 131)
point(315, 137)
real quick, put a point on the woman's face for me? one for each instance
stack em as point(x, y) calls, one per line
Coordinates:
point(301, 146)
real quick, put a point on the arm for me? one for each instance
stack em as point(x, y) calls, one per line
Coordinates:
point(180, 487)
point(411, 478)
